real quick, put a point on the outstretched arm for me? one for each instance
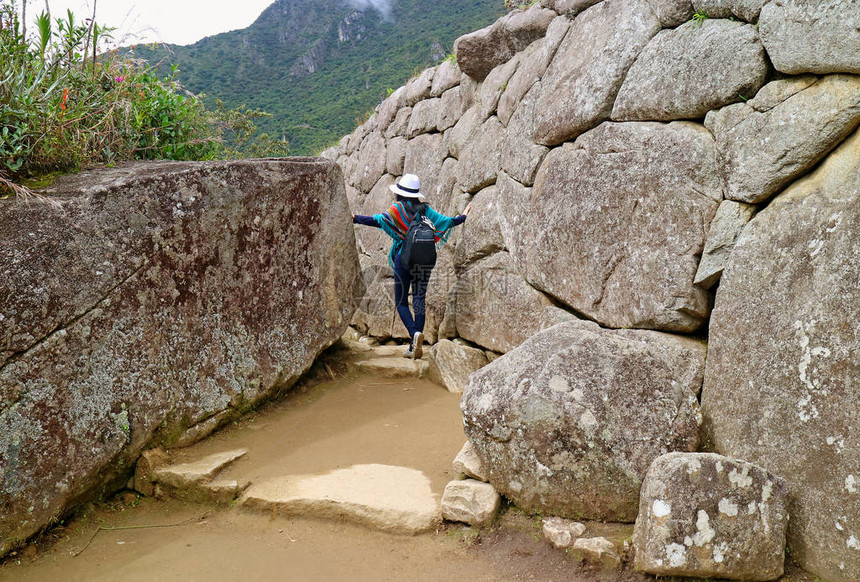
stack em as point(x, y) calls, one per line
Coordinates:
point(365, 220)
point(458, 220)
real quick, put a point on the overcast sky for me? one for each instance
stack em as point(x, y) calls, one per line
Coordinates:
point(172, 21)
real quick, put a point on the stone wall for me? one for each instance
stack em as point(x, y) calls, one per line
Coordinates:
point(615, 152)
point(150, 302)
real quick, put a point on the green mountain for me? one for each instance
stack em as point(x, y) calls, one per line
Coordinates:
point(319, 66)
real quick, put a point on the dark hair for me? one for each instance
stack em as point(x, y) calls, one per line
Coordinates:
point(411, 203)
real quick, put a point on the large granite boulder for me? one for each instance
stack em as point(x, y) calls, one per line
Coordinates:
point(480, 52)
point(685, 72)
point(748, 10)
point(705, 515)
point(618, 221)
point(781, 387)
point(155, 297)
point(495, 85)
point(568, 423)
point(371, 163)
point(580, 84)
point(451, 363)
point(425, 117)
point(521, 156)
point(812, 37)
point(533, 63)
point(672, 13)
point(495, 307)
point(425, 156)
point(481, 235)
point(767, 142)
point(481, 156)
point(447, 77)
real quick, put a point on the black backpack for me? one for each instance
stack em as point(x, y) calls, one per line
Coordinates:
point(419, 245)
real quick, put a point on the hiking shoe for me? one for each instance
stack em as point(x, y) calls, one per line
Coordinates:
point(409, 353)
point(417, 345)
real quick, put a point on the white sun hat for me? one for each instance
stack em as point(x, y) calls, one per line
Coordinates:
point(408, 186)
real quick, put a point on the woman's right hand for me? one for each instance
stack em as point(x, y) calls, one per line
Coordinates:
point(468, 208)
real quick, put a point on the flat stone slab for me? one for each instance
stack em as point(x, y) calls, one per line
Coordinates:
point(384, 497)
point(395, 367)
point(188, 474)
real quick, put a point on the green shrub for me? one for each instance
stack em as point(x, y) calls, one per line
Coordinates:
point(61, 108)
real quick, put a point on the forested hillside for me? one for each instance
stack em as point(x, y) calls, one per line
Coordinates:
point(318, 66)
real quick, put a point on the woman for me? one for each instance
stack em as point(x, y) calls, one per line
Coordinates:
point(395, 222)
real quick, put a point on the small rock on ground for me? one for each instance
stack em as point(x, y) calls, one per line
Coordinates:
point(467, 463)
point(599, 550)
point(562, 533)
point(471, 502)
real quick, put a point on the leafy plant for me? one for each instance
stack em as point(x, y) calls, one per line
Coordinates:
point(699, 17)
point(60, 110)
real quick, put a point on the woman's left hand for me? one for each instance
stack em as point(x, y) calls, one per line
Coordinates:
point(468, 208)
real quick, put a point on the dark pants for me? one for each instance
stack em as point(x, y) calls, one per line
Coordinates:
point(417, 278)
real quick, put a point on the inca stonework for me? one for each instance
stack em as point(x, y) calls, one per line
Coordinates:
point(151, 303)
point(638, 167)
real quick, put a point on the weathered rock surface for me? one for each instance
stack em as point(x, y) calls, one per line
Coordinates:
point(447, 77)
point(599, 550)
point(496, 308)
point(451, 363)
point(395, 155)
point(781, 387)
point(480, 52)
point(149, 461)
point(521, 156)
point(375, 315)
point(425, 117)
point(372, 165)
point(744, 9)
point(495, 84)
point(419, 87)
point(672, 13)
point(467, 463)
point(393, 499)
point(159, 296)
point(533, 62)
point(561, 532)
point(205, 469)
point(569, 7)
point(617, 221)
point(452, 109)
point(766, 143)
point(428, 152)
point(470, 501)
point(812, 37)
point(481, 234)
point(705, 515)
point(685, 72)
point(730, 220)
point(480, 157)
point(569, 422)
point(579, 86)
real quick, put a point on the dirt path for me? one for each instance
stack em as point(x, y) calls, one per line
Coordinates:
point(358, 419)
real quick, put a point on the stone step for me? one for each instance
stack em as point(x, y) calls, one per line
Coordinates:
point(395, 366)
point(384, 497)
point(187, 474)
